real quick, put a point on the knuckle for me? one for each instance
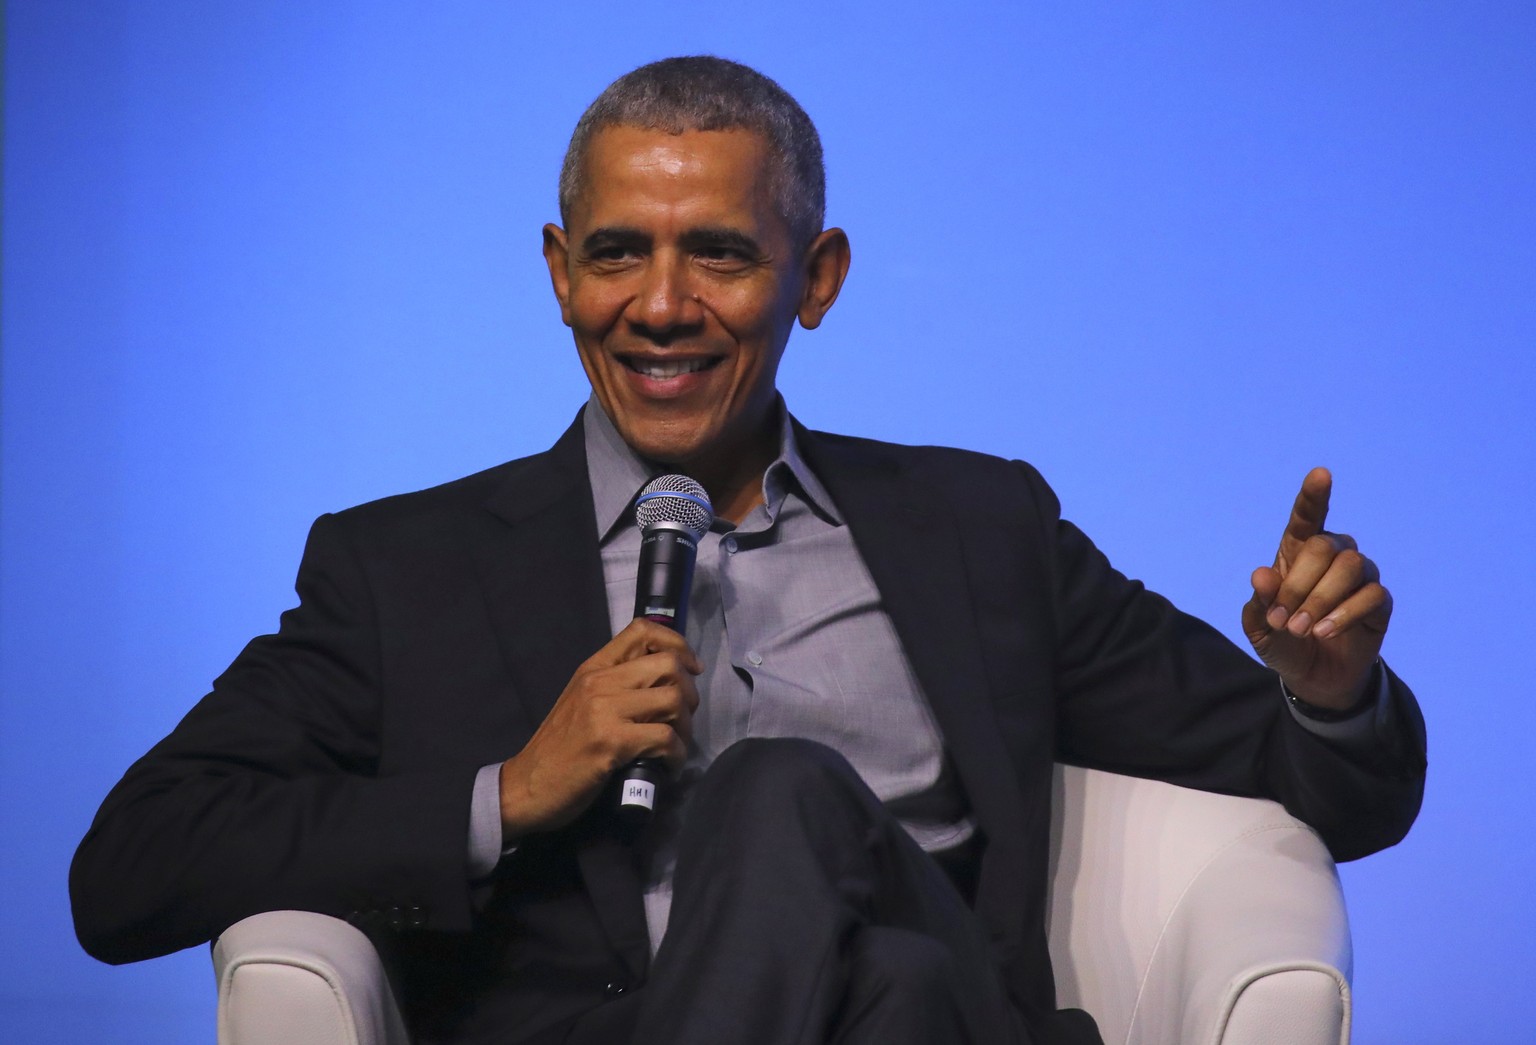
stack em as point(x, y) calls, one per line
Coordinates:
point(1290, 592)
point(1319, 544)
point(659, 740)
point(659, 632)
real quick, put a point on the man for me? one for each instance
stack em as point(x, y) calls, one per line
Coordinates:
point(888, 648)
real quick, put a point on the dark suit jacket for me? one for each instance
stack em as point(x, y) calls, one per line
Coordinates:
point(331, 767)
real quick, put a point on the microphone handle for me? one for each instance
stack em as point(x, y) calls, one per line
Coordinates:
point(661, 595)
point(640, 779)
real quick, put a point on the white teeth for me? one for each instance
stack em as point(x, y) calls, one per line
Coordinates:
point(662, 371)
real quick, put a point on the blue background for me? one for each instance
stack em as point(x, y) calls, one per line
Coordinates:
point(265, 260)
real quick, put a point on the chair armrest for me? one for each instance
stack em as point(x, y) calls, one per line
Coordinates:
point(1177, 915)
point(299, 978)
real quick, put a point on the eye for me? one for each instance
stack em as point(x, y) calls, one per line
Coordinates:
point(613, 252)
point(723, 257)
point(614, 248)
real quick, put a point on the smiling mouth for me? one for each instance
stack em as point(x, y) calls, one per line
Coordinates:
point(660, 370)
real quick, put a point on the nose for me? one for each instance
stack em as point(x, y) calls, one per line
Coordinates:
point(666, 303)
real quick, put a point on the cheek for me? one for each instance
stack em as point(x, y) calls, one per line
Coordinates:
point(595, 308)
point(758, 319)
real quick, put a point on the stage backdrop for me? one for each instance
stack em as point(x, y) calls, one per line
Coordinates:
point(263, 260)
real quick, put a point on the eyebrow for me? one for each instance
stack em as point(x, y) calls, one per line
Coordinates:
point(711, 236)
point(706, 236)
point(614, 236)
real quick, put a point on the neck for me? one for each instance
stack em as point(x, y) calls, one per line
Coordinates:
point(734, 478)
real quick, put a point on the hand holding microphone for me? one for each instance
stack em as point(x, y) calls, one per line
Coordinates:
point(633, 699)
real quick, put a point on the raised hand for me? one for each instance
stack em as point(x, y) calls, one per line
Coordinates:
point(1319, 614)
point(634, 698)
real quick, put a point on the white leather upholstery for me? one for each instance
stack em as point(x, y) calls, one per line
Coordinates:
point(299, 978)
point(1176, 917)
point(1180, 916)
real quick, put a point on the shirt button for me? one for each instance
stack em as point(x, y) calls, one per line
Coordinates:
point(615, 989)
point(730, 545)
point(754, 658)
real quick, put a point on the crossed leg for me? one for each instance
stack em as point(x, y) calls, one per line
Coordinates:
point(803, 914)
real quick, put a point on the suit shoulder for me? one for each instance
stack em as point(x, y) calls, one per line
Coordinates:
point(460, 505)
point(964, 474)
point(450, 496)
point(908, 453)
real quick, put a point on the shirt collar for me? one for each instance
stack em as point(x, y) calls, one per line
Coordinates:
point(618, 473)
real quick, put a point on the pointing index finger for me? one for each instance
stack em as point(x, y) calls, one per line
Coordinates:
point(1307, 515)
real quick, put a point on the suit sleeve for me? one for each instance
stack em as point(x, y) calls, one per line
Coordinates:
point(1149, 691)
point(268, 796)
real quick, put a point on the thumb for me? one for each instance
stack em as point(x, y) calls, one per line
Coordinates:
point(1276, 647)
point(1266, 585)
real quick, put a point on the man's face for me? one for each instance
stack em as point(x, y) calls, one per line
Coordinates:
point(681, 283)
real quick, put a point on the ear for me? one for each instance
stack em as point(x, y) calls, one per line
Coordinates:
point(826, 266)
point(557, 257)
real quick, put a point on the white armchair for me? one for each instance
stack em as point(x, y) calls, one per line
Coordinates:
point(1175, 917)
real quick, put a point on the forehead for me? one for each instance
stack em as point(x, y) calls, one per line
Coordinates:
point(630, 173)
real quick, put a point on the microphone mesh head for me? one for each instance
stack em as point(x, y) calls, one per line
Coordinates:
point(674, 499)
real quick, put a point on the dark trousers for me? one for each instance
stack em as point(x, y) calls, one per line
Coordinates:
point(803, 914)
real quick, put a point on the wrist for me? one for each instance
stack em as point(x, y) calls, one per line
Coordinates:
point(514, 804)
point(1331, 711)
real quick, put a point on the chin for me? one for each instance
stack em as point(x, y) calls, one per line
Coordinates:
point(665, 449)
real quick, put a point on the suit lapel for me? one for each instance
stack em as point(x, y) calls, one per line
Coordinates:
point(542, 577)
point(913, 550)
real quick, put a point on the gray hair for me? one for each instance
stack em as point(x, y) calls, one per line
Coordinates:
point(705, 93)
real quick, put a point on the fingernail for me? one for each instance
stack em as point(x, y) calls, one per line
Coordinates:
point(1300, 623)
point(1325, 627)
point(1276, 617)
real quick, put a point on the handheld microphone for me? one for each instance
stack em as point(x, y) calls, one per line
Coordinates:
point(673, 513)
